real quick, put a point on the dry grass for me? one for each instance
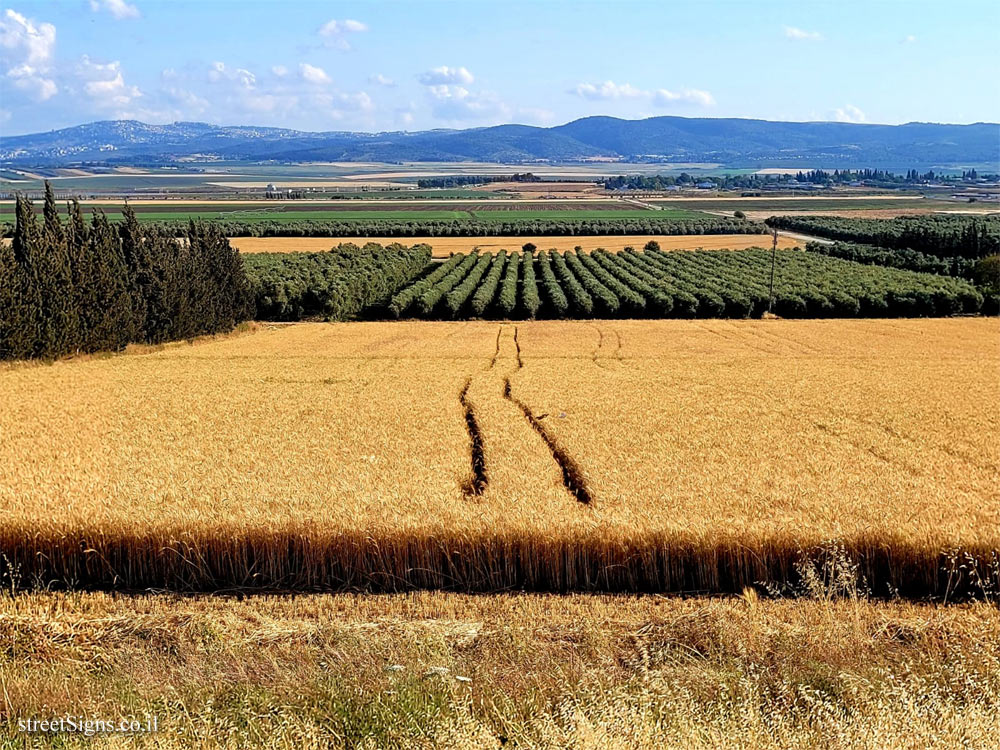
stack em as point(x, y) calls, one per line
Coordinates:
point(445, 246)
point(715, 455)
point(435, 670)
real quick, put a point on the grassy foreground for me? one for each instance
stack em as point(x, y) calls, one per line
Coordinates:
point(432, 670)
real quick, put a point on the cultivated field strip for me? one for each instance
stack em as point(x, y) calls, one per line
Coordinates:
point(714, 454)
point(445, 246)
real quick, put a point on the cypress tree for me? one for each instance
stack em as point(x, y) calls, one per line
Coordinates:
point(31, 335)
point(52, 225)
point(139, 274)
point(176, 276)
point(197, 284)
point(66, 288)
point(10, 308)
point(114, 318)
point(83, 266)
point(56, 282)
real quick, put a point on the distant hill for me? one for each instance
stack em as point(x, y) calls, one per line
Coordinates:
point(731, 142)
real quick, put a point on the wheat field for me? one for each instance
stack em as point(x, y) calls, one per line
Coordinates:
point(445, 246)
point(553, 456)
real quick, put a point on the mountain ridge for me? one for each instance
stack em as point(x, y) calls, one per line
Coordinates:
point(727, 141)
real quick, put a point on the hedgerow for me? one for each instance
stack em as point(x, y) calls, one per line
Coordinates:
point(488, 287)
point(402, 300)
point(555, 297)
point(910, 260)
point(630, 299)
point(607, 300)
point(476, 227)
point(530, 299)
point(507, 300)
point(458, 296)
point(582, 303)
point(335, 285)
point(943, 236)
point(427, 301)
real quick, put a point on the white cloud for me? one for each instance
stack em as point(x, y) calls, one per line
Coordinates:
point(334, 27)
point(312, 74)
point(404, 116)
point(118, 8)
point(909, 39)
point(335, 106)
point(792, 32)
point(380, 80)
point(609, 90)
point(335, 32)
point(304, 93)
point(849, 113)
point(26, 48)
point(255, 102)
point(664, 97)
point(446, 75)
point(30, 80)
point(219, 73)
point(457, 103)
point(25, 41)
point(105, 84)
point(188, 100)
point(360, 101)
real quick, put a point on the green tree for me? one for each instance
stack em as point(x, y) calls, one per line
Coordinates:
point(113, 323)
point(56, 282)
point(139, 277)
point(10, 308)
point(30, 336)
point(83, 269)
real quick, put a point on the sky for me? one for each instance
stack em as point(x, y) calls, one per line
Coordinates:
point(421, 64)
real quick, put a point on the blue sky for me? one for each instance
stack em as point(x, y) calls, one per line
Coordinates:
point(419, 64)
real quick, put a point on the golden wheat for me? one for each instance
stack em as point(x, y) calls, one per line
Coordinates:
point(445, 246)
point(617, 455)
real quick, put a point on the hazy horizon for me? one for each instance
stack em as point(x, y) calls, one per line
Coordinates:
point(472, 127)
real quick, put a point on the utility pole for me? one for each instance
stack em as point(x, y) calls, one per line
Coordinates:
point(774, 255)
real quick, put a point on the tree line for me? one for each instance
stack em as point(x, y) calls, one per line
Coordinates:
point(469, 227)
point(340, 284)
point(464, 180)
point(944, 236)
point(71, 286)
point(984, 273)
point(476, 227)
point(810, 177)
